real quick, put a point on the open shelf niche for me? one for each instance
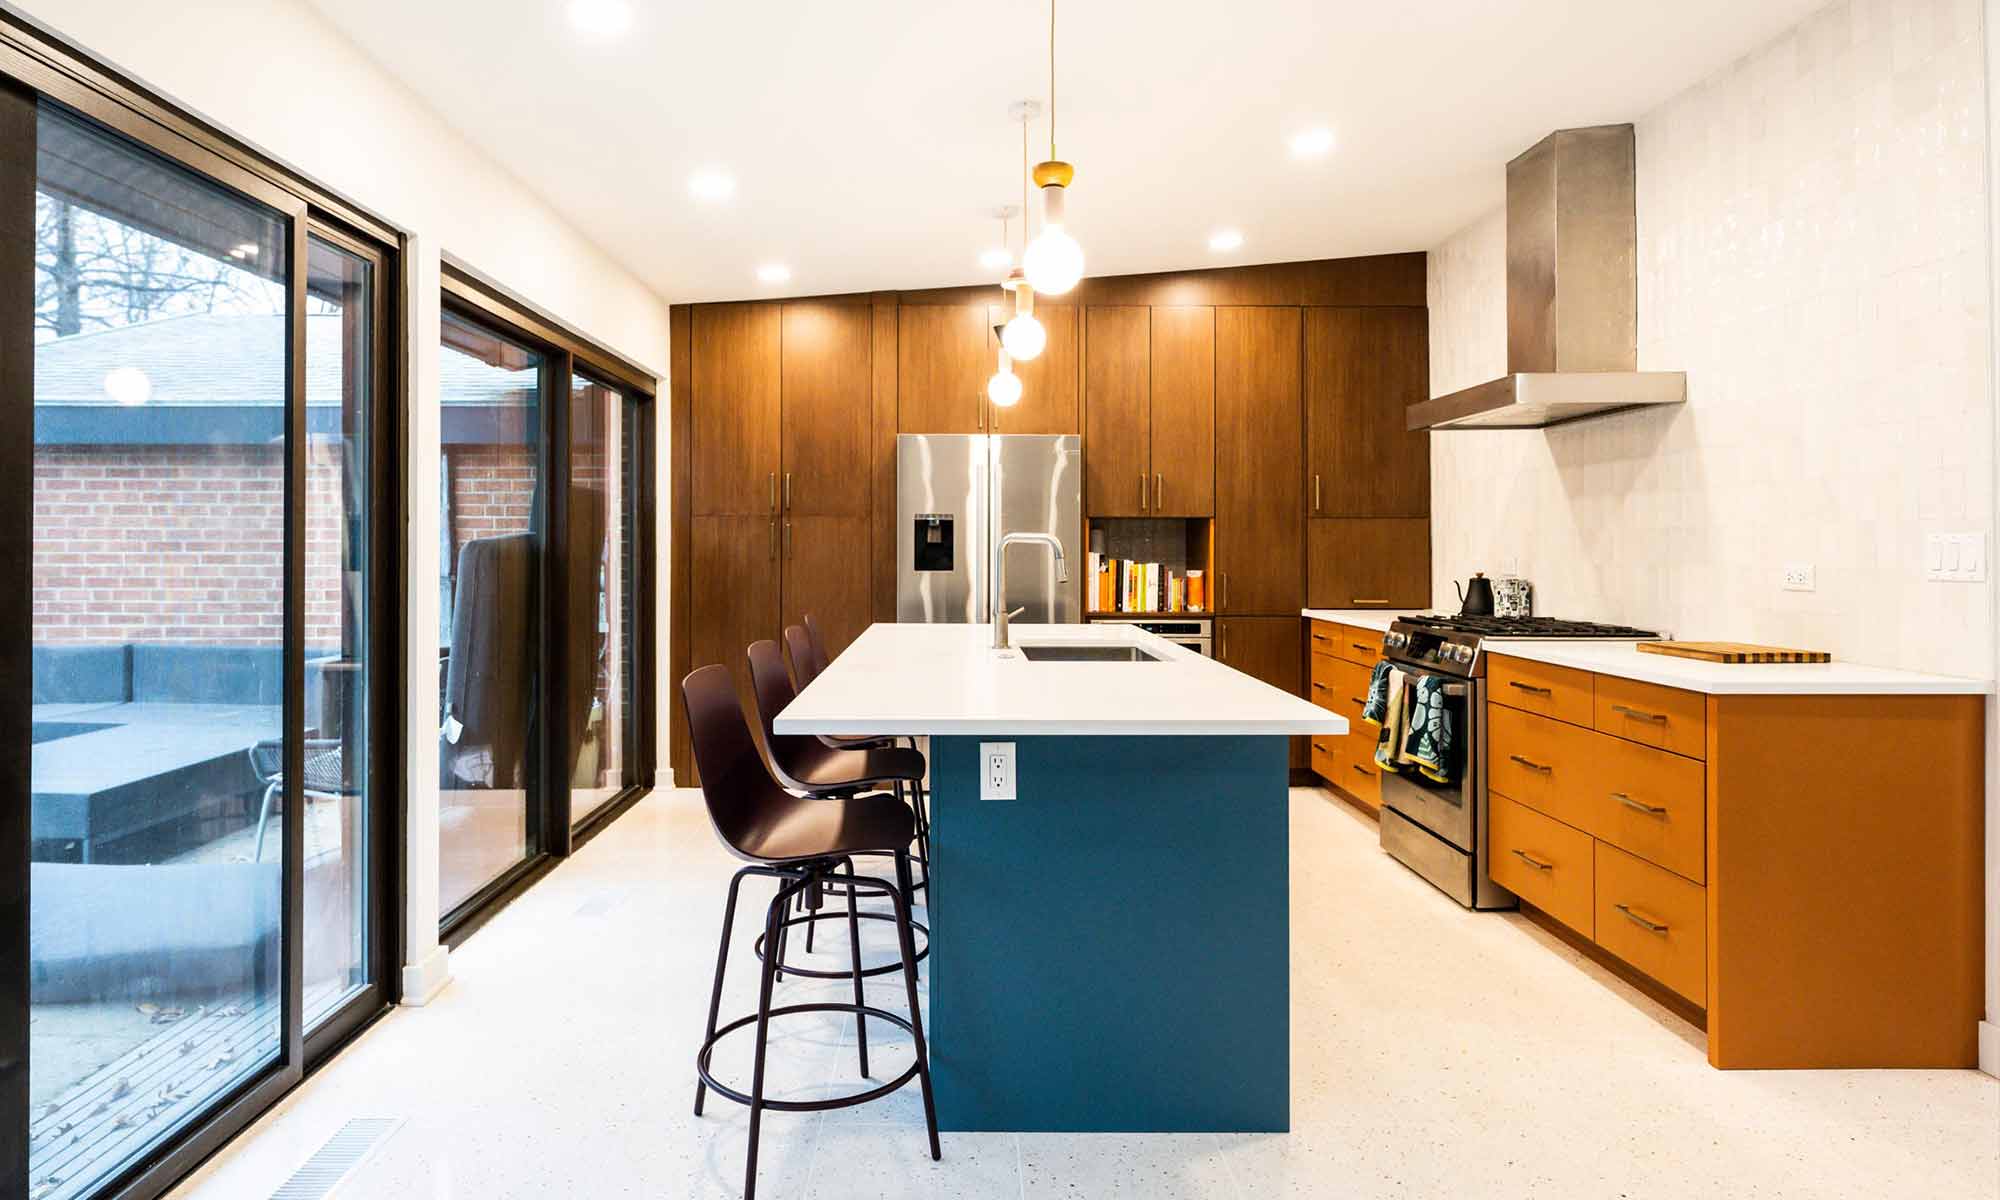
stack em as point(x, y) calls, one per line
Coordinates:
point(1179, 545)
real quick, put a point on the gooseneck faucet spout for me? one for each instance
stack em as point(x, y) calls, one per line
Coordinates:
point(1000, 613)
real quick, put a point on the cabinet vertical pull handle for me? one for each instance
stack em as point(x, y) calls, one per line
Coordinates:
point(788, 539)
point(1225, 643)
point(1159, 492)
point(774, 541)
point(788, 491)
point(1142, 492)
point(772, 479)
point(1315, 495)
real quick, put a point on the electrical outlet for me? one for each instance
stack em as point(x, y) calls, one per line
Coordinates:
point(1955, 557)
point(996, 770)
point(1799, 578)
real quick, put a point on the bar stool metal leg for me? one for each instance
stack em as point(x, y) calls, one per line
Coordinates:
point(721, 960)
point(854, 941)
point(909, 946)
point(774, 918)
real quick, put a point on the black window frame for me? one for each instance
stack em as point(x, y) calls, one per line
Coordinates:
point(37, 66)
point(552, 836)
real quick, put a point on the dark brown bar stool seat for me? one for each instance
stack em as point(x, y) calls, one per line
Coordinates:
point(805, 651)
point(805, 844)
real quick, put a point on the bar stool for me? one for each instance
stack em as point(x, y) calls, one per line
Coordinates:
point(805, 764)
point(805, 844)
point(805, 651)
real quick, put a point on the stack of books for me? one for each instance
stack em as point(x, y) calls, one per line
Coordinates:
point(1120, 585)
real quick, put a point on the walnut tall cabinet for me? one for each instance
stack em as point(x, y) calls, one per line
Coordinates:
point(1266, 399)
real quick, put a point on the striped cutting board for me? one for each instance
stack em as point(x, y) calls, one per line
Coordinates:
point(1735, 652)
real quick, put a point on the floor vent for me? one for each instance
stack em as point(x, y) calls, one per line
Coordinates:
point(342, 1155)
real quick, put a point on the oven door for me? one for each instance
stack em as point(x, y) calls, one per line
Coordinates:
point(1448, 810)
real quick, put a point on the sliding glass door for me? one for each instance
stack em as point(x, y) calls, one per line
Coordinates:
point(602, 574)
point(197, 650)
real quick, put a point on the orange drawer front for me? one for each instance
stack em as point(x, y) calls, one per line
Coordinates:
point(1541, 860)
point(1359, 777)
point(1539, 688)
point(1358, 645)
point(1666, 717)
point(1654, 920)
point(1647, 802)
point(1323, 637)
point(1539, 762)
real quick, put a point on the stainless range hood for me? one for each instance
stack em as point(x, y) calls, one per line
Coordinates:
point(1572, 294)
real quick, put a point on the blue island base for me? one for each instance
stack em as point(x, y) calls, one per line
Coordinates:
point(1112, 949)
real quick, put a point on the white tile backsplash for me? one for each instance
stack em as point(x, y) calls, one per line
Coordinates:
point(1813, 253)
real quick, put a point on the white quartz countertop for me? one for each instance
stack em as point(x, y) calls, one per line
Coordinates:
point(1364, 618)
point(1623, 659)
point(947, 679)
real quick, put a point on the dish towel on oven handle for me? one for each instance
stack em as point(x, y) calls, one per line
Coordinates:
point(1378, 693)
point(1428, 744)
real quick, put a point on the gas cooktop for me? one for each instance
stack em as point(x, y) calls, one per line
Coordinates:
point(1525, 627)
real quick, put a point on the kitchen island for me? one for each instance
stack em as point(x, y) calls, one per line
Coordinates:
point(1111, 947)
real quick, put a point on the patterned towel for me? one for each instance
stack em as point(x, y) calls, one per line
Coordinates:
point(1378, 693)
point(1395, 722)
point(1428, 743)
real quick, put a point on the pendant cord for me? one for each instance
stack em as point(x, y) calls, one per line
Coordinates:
point(1024, 187)
point(1052, 80)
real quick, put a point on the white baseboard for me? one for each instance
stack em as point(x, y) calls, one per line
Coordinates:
point(423, 980)
point(1989, 1047)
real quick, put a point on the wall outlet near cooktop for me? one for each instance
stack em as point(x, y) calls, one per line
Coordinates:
point(1799, 578)
point(1955, 557)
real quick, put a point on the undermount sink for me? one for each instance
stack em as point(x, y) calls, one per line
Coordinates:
point(1086, 652)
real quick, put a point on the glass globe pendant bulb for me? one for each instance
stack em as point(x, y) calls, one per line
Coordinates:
point(1004, 389)
point(1054, 262)
point(1024, 337)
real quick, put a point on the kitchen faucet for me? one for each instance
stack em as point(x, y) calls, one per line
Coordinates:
point(1000, 613)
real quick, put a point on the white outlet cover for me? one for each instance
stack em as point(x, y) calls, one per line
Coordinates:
point(996, 771)
point(1799, 577)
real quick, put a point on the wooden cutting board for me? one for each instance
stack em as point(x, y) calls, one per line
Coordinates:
point(1735, 652)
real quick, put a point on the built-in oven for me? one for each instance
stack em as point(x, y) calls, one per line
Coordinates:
point(1192, 633)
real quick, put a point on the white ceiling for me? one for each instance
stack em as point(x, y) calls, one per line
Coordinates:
point(870, 140)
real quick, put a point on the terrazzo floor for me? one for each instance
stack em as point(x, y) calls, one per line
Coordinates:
point(1435, 1053)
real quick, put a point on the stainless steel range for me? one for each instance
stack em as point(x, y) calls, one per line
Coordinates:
point(1439, 829)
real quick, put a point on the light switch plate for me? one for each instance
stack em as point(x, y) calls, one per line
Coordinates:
point(1955, 557)
point(1799, 578)
point(996, 771)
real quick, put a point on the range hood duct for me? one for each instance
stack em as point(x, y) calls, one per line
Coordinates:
point(1572, 294)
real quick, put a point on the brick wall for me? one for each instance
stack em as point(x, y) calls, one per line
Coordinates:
point(492, 492)
point(179, 544)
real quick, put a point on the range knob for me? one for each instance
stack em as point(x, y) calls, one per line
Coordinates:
point(1460, 653)
point(1396, 641)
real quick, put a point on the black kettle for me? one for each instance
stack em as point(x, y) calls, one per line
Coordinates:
point(1475, 599)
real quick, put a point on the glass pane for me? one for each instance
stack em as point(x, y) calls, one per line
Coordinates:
point(490, 387)
point(339, 377)
point(158, 575)
point(599, 649)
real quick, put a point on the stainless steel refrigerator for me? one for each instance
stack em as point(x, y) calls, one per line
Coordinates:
point(957, 495)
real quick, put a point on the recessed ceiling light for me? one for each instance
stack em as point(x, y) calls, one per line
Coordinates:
point(997, 259)
point(773, 273)
point(1312, 143)
point(601, 17)
point(1225, 240)
point(711, 185)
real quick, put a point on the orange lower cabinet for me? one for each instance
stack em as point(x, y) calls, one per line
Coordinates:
point(1541, 860)
point(1653, 919)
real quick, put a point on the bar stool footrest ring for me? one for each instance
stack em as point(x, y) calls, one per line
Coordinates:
point(840, 915)
point(865, 1010)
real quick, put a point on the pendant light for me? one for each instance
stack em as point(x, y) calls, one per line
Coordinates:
point(1053, 262)
point(1004, 389)
point(1023, 336)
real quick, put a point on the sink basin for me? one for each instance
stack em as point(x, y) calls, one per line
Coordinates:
point(1086, 652)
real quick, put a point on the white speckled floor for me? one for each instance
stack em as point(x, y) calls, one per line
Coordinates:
point(1435, 1053)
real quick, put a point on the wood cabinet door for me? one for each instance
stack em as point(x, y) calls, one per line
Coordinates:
point(1183, 412)
point(1368, 562)
point(942, 366)
point(735, 461)
point(1364, 367)
point(1259, 461)
point(828, 392)
point(1117, 390)
point(735, 567)
point(1048, 381)
point(1271, 649)
point(826, 574)
point(1117, 411)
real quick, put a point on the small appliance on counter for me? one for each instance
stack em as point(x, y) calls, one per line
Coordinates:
point(1475, 599)
point(1438, 829)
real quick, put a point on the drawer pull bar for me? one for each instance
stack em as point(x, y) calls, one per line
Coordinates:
point(1646, 923)
point(1532, 765)
point(1320, 687)
point(1530, 688)
point(1357, 700)
point(1651, 810)
point(1359, 769)
point(1320, 637)
point(1531, 860)
point(1638, 714)
point(1365, 648)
